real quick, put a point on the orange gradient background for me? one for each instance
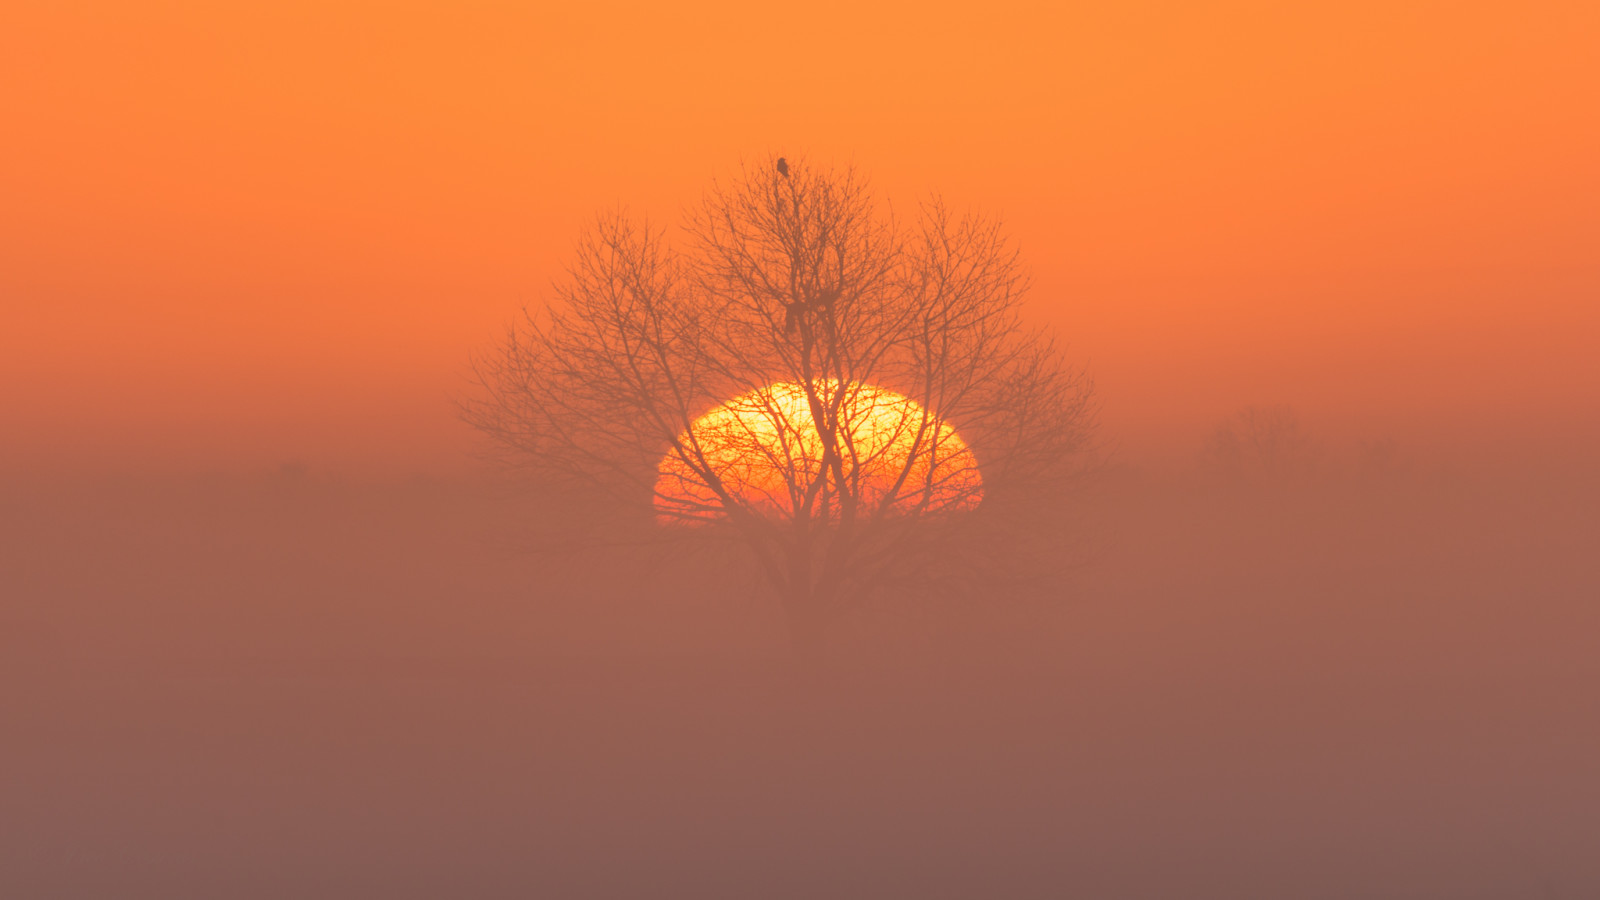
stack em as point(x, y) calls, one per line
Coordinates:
point(233, 237)
point(270, 627)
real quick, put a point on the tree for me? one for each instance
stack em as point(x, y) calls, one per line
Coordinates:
point(856, 403)
point(1263, 444)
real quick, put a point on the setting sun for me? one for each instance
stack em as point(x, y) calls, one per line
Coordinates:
point(764, 451)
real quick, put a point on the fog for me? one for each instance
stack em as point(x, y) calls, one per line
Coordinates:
point(1371, 676)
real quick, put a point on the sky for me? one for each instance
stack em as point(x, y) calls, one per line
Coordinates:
point(233, 235)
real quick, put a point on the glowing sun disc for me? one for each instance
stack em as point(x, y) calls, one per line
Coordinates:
point(764, 450)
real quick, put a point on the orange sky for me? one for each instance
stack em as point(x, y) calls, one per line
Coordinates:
point(233, 238)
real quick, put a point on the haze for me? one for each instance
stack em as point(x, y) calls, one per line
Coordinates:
point(270, 625)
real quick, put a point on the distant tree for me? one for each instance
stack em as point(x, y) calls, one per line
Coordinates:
point(1262, 443)
point(853, 400)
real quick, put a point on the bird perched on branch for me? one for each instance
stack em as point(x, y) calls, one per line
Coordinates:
point(783, 167)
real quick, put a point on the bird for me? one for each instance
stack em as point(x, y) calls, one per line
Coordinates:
point(783, 167)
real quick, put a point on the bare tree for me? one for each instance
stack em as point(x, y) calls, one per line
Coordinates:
point(854, 401)
point(1262, 443)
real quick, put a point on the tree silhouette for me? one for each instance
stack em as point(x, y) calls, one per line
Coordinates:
point(1265, 444)
point(856, 402)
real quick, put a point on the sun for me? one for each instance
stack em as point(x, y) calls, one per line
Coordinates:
point(764, 451)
